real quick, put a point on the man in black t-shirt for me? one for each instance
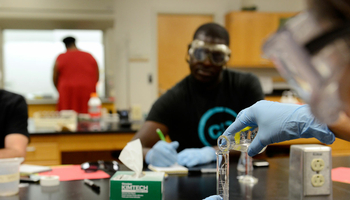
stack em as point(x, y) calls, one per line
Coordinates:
point(198, 109)
point(14, 135)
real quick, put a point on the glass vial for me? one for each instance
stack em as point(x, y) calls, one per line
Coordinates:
point(222, 174)
point(244, 163)
point(239, 141)
point(246, 176)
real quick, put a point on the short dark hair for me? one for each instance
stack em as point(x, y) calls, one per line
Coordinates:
point(213, 30)
point(68, 41)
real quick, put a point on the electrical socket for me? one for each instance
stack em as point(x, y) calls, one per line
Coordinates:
point(317, 164)
point(317, 180)
point(310, 172)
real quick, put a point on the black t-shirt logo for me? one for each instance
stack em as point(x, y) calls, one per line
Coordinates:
point(213, 123)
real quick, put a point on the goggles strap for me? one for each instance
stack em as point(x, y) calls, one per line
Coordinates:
point(323, 40)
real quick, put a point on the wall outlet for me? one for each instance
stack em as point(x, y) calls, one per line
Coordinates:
point(310, 172)
point(317, 180)
point(136, 112)
point(317, 164)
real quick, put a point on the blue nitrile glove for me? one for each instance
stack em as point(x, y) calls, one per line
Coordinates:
point(192, 157)
point(162, 154)
point(279, 122)
point(214, 197)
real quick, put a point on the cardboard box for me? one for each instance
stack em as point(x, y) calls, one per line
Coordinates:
point(148, 187)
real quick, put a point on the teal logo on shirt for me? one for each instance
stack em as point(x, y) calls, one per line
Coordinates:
point(214, 130)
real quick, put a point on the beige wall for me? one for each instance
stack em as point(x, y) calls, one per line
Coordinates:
point(132, 42)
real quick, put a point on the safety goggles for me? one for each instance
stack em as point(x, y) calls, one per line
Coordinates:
point(312, 56)
point(110, 166)
point(200, 51)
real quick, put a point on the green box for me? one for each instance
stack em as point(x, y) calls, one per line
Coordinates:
point(148, 187)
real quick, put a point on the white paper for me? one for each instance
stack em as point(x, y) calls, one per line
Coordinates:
point(174, 169)
point(31, 169)
point(131, 156)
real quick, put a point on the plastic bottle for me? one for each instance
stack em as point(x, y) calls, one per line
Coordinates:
point(94, 109)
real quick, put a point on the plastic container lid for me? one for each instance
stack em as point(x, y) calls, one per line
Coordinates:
point(94, 94)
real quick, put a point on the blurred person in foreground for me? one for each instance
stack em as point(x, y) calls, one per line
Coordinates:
point(197, 110)
point(75, 76)
point(312, 52)
point(14, 136)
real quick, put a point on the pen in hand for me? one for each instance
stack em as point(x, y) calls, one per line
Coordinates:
point(161, 135)
point(92, 185)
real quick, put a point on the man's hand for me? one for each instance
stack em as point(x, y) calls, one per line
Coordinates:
point(196, 156)
point(279, 122)
point(214, 197)
point(162, 154)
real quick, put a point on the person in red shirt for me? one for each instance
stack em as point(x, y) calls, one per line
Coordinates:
point(75, 76)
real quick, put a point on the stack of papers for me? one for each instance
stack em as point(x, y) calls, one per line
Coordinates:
point(26, 169)
point(174, 169)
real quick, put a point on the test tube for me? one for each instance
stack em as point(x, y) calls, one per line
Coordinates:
point(222, 174)
point(242, 164)
point(248, 177)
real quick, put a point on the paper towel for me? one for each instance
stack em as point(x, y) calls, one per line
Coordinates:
point(132, 157)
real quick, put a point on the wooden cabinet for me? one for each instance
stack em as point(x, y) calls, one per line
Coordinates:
point(248, 31)
point(175, 32)
point(43, 150)
point(43, 153)
point(47, 149)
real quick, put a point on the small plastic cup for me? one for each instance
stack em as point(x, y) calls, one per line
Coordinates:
point(9, 176)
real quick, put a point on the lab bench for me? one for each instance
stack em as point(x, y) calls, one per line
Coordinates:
point(46, 148)
point(272, 185)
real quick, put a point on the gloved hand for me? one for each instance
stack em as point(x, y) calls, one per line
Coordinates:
point(195, 156)
point(162, 154)
point(279, 122)
point(213, 197)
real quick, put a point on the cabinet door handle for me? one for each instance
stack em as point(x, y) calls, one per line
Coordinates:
point(31, 149)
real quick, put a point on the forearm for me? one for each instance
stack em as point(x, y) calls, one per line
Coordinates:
point(11, 153)
point(341, 128)
point(15, 146)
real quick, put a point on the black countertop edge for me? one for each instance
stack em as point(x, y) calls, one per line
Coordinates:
point(54, 101)
point(122, 130)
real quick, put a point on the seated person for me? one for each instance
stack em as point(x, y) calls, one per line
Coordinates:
point(13, 125)
point(198, 109)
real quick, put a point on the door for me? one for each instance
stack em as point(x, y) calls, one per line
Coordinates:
point(175, 32)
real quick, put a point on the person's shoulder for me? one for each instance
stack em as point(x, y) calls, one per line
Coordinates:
point(180, 87)
point(61, 55)
point(8, 97)
point(84, 53)
point(234, 72)
point(239, 75)
point(8, 94)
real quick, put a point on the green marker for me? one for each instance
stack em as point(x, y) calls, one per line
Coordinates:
point(161, 135)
